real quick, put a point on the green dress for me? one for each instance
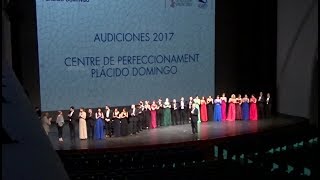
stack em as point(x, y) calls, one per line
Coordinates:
point(166, 115)
point(197, 103)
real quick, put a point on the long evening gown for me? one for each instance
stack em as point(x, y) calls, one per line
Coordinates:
point(116, 126)
point(231, 111)
point(90, 126)
point(238, 110)
point(124, 127)
point(245, 110)
point(98, 129)
point(210, 111)
point(223, 109)
point(148, 118)
point(217, 110)
point(253, 110)
point(153, 117)
point(203, 111)
point(83, 127)
point(197, 103)
point(167, 117)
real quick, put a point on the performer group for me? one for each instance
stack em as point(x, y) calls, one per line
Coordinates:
point(106, 123)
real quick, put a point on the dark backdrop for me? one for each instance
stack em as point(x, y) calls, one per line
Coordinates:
point(246, 34)
point(245, 44)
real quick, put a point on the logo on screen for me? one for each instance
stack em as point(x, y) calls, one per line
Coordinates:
point(179, 3)
point(203, 4)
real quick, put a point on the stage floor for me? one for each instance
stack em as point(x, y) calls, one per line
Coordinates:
point(170, 134)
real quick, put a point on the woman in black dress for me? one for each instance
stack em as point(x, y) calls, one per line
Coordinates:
point(90, 124)
point(116, 122)
point(124, 122)
point(210, 108)
point(147, 109)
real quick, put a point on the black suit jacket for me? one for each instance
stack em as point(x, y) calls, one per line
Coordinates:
point(73, 117)
point(108, 117)
point(136, 112)
point(261, 102)
point(194, 116)
point(185, 104)
point(177, 106)
point(269, 102)
point(139, 111)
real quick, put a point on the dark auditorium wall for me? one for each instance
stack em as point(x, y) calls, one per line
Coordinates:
point(296, 56)
point(6, 38)
point(22, 15)
point(245, 46)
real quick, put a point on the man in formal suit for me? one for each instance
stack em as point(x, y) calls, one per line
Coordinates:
point(189, 106)
point(268, 106)
point(261, 102)
point(133, 119)
point(182, 109)
point(108, 121)
point(194, 119)
point(140, 117)
point(159, 113)
point(174, 112)
point(72, 122)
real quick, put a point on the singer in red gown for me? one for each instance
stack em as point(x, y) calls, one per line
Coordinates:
point(203, 110)
point(253, 108)
point(223, 106)
point(154, 108)
point(232, 108)
point(238, 107)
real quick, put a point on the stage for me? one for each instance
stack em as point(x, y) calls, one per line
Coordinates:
point(171, 134)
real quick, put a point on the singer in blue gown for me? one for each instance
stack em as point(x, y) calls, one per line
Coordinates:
point(217, 114)
point(245, 108)
point(98, 128)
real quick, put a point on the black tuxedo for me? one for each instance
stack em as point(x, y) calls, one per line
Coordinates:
point(189, 108)
point(108, 124)
point(194, 120)
point(140, 119)
point(175, 116)
point(183, 112)
point(133, 120)
point(268, 107)
point(72, 124)
point(261, 103)
point(147, 118)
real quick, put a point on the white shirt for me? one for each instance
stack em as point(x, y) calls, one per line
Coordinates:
point(182, 104)
point(107, 114)
point(70, 115)
point(190, 104)
point(267, 100)
point(174, 106)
